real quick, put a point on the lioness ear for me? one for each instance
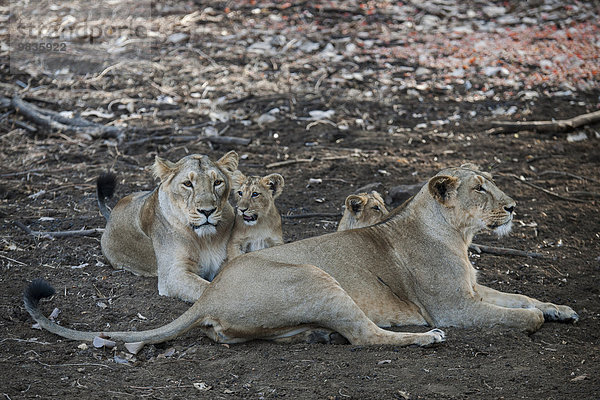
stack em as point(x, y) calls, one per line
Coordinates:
point(237, 179)
point(229, 162)
point(162, 168)
point(355, 203)
point(443, 188)
point(275, 183)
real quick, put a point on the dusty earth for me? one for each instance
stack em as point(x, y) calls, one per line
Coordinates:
point(380, 120)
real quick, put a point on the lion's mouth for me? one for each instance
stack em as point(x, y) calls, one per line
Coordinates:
point(249, 218)
point(501, 229)
point(196, 227)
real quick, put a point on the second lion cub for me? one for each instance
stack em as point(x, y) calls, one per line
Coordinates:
point(257, 222)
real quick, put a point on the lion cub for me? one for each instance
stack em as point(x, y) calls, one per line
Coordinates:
point(257, 222)
point(362, 210)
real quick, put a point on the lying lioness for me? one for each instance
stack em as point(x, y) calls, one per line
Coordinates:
point(178, 231)
point(411, 268)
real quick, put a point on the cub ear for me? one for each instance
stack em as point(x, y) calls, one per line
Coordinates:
point(275, 183)
point(237, 179)
point(229, 162)
point(355, 203)
point(443, 188)
point(162, 168)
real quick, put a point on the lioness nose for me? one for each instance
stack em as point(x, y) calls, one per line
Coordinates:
point(510, 209)
point(207, 212)
point(243, 209)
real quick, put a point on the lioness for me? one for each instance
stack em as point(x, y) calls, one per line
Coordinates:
point(257, 223)
point(411, 268)
point(179, 230)
point(362, 210)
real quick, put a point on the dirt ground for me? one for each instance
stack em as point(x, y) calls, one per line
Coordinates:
point(390, 126)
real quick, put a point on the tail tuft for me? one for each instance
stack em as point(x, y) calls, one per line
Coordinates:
point(105, 185)
point(38, 289)
point(105, 188)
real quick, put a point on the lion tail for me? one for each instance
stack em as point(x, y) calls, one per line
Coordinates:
point(105, 188)
point(40, 288)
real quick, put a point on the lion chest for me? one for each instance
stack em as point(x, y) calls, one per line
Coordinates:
point(210, 261)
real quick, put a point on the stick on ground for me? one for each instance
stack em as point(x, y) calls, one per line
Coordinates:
point(58, 234)
point(55, 121)
point(312, 215)
point(561, 125)
point(548, 191)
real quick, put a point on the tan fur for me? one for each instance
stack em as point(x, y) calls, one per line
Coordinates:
point(257, 223)
point(362, 210)
point(411, 268)
point(161, 232)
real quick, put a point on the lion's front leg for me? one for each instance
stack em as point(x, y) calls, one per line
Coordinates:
point(177, 279)
point(552, 312)
point(468, 312)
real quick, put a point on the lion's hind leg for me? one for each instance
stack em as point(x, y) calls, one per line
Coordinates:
point(255, 298)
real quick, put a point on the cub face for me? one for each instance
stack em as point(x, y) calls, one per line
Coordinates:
point(363, 209)
point(472, 200)
point(255, 195)
point(196, 189)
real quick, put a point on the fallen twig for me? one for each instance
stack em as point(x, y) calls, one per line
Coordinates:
point(311, 215)
point(12, 259)
point(563, 173)
point(289, 162)
point(560, 125)
point(58, 234)
point(55, 121)
point(304, 160)
point(180, 138)
point(502, 251)
point(522, 180)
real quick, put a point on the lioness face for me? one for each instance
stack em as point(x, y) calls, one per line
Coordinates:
point(197, 187)
point(255, 195)
point(473, 199)
point(363, 209)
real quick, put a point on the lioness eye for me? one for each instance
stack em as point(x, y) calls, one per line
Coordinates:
point(376, 208)
point(187, 184)
point(218, 182)
point(240, 193)
point(480, 189)
point(255, 194)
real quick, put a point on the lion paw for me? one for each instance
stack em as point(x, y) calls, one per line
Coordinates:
point(560, 313)
point(437, 335)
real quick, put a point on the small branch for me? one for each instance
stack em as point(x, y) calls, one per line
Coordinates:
point(563, 173)
point(183, 138)
point(502, 251)
point(548, 191)
point(561, 125)
point(289, 162)
point(586, 194)
point(74, 365)
point(58, 234)
point(311, 215)
point(55, 121)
